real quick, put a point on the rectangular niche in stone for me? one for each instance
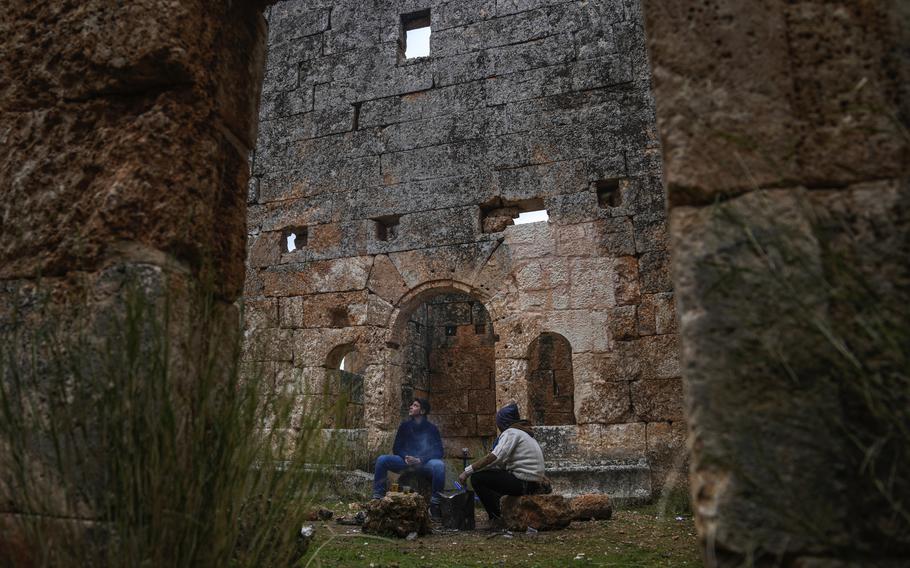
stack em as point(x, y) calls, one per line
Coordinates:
point(386, 228)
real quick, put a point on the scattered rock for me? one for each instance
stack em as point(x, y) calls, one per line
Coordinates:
point(352, 520)
point(542, 512)
point(397, 514)
point(595, 506)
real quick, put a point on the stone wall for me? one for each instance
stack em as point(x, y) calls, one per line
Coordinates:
point(784, 129)
point(126, 130)
point(405, 174)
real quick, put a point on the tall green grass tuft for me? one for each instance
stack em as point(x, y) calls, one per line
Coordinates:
point(130, 438)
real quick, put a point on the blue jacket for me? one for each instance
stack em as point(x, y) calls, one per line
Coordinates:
point(418, 440)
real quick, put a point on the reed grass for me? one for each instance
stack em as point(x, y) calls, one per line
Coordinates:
point(142, 444)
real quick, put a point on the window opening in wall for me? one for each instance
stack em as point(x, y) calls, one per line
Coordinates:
point(343, 394)
point(356, 124)
point(499, 214)
point(415, 34)
point(608, 194)
point(531, 217)
point(294, 238)
point(387, 227)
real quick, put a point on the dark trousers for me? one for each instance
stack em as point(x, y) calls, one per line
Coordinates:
point(491, 484)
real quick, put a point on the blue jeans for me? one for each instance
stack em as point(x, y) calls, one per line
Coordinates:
point(435, 469)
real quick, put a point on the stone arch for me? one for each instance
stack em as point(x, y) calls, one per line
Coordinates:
point(417, 295)
point(551, 384)
point(443, 349)
point(344, 368)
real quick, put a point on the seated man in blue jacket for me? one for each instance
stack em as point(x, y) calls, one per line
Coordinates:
point(417, 446)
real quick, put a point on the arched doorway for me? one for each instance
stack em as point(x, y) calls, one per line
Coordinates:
point(447, 356)
point(344, 387)
point(551, 385)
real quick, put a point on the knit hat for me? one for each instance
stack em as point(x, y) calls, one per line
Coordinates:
point(507, 415)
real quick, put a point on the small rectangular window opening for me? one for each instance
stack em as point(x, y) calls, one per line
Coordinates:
point(294, 238)
point(608, 194)
point(387, 227)
point(532, 217)
point(415, 34)
point(499, 214)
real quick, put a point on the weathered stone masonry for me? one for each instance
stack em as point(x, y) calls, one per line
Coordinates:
point(401, 177)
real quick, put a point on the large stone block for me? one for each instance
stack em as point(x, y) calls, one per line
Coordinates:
point(623, 323)
point(625, 280)
point(385, 281)
point(668, 455)
point(655, 400)
point(737, 318)
point(260, 314)
point(98, 141)
point(317, 276)
point(592, 507)
point(772, 144)
point(601, 401)
point(540, 512)
point(657, 314)
point(599, 441)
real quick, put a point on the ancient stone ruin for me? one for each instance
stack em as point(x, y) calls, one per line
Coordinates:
point(387, 258)
point(127, 128)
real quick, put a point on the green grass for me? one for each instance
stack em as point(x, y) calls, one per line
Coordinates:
point(631, 539)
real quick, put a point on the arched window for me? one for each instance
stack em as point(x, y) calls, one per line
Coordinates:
point(344, 387)
point(551, 386)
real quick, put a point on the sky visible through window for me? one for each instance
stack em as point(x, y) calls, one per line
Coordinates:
point(417, 42)
point(531, 217)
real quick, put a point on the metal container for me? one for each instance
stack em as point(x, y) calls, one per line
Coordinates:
point(458, 510)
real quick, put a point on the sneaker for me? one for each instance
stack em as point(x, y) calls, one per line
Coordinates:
point(435, 512)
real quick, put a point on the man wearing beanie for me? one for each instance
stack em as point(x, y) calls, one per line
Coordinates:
point(417, 446)
point(518, 461)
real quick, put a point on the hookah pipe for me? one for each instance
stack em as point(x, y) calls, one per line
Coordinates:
point(464, 463)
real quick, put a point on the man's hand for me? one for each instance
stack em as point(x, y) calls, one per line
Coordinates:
point(463, 477)
point(411, 460)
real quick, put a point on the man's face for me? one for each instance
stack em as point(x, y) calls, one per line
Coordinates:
point(415, 409)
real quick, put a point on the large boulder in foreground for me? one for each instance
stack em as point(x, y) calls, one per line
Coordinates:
point(540, 512)
point(592, 506)
point(397, 514)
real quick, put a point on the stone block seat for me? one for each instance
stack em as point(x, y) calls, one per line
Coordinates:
point(626, 481)
point(574, 467)
point(553, 512)
point(540, 512)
